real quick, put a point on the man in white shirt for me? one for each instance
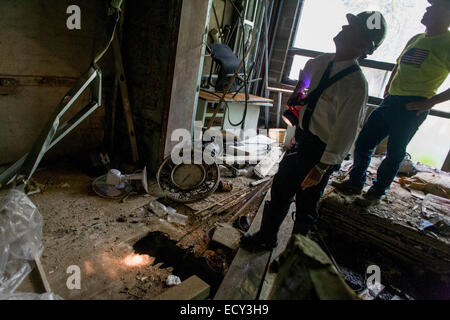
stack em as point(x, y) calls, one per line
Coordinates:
point(335, 105)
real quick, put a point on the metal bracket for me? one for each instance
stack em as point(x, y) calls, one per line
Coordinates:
point(22, 170)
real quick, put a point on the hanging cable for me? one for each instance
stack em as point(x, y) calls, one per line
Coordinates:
point(227, 111)
point(242, 122)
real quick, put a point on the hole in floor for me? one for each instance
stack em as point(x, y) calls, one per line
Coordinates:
point(183, 261)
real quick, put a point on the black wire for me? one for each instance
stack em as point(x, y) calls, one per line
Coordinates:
point(245, 67)
point(227, 110)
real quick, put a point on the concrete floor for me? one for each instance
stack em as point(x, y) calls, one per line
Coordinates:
point(97, 235)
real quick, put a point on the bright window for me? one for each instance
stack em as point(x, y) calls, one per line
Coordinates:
point(321, 20)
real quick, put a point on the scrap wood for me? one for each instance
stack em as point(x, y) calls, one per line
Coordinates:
point(125, 98)
point(245, 274)
point(434, 183)
point(255, 183)
point(380, 226)
point(250, 269)
point(226, 235)
point(218, 202)
point(435, 205)
point(216, 212)
point(193, 288)
point(233, 203)
point(250, 201)
point(42, 274)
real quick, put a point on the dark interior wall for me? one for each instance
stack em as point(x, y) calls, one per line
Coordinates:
point(149, 51)
point(290, 10)
point(285, 33)
point(45, 58)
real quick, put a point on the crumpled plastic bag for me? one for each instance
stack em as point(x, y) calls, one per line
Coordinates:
point(30, 296)
point(20, 239)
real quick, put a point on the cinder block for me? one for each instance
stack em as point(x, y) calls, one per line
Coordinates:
point(228, 236)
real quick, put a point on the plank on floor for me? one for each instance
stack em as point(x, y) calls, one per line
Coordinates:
point(193, 288)
point(246, 272)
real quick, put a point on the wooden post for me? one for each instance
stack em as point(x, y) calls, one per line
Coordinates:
point(446, 166)
point(125, 99)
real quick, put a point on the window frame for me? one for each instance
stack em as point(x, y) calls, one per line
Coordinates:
point(373, 64)
point(293, 51)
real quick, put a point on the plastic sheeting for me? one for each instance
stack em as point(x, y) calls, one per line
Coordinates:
point(30, 296)
point(20, 241)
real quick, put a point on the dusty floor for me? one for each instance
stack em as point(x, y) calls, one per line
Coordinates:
point(100, 236)
point(126, 252)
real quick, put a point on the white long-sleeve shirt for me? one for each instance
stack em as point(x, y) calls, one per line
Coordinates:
point(340, 109)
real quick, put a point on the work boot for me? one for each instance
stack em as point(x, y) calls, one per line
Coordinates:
point(347, 187)
point(302, 225)
point(266, 238)
point(368, 199)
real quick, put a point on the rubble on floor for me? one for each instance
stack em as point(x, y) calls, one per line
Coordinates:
point(395, 230)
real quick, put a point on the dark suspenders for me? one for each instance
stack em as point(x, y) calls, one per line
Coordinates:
point(325, 83)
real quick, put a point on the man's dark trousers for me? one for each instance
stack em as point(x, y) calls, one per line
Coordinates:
point(292, 171)
point(392, 120)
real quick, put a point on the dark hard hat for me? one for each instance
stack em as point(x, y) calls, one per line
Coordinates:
point(374, 24)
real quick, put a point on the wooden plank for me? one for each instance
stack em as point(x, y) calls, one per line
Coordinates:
point(246, 272)
point(41, 271)
point(283, 239)
point(391, 226)
point(193, 288)
point(240, 97)
point(125, 99)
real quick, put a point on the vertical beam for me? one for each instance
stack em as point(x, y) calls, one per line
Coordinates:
point(266, 60)
point(280, 97)
point(188, 67)
point(125, 99)
point(446, 166)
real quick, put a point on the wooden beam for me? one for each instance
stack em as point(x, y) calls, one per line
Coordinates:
point(125, 99)
point(391, 226)
point(446, 166)
point(193, 288)
point(247, 271)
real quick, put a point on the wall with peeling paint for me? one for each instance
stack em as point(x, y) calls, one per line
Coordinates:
point(45, 58)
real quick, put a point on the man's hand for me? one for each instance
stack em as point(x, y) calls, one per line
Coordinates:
point(420, 106)
point(312, 179)
point(293, 99)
